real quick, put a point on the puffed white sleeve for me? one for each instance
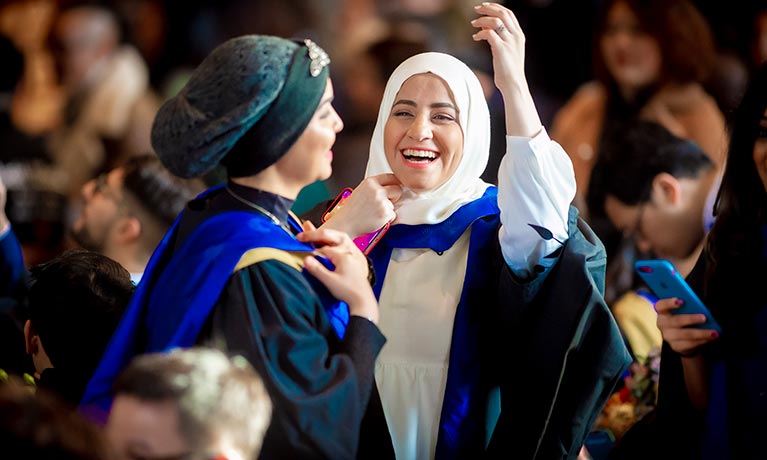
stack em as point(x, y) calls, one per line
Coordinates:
point(536, 185)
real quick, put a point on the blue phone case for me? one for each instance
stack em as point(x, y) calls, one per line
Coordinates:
point(665, 282)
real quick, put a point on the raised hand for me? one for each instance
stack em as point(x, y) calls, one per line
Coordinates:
point(500, 28)
point(369, 207)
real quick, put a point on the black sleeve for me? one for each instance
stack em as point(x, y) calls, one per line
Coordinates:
point(319, 385)
point(314, 215)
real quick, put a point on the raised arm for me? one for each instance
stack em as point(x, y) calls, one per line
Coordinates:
point(536, 183)
point(502, 32)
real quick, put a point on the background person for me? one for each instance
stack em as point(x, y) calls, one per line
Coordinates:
point(711, 387)
point(188, 403)
point(74, 304)
point(127, 210)
point(109, 107)
point(651, 58)
point(659, 191)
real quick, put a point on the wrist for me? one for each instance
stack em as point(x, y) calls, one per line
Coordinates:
point(366, 306)
point(690, 354)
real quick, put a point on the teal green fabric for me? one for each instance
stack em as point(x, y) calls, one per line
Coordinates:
point(310, 196)
point(561, 353)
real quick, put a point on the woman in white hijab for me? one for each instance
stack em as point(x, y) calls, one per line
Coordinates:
point(437, 267)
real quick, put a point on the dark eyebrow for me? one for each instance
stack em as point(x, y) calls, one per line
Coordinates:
point(436, 105)
point(404, 102)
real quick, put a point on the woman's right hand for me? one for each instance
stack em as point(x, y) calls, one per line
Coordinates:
point(369, 207)
point(349, 281)
point(674, 328)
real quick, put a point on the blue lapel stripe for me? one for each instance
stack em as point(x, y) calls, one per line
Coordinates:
point(463, 419)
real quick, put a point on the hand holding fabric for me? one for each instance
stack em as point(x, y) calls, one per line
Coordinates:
point(349, 280)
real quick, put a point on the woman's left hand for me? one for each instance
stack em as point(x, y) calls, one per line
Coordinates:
point(349, 280)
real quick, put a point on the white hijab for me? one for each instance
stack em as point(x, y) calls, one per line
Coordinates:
point(465, 184)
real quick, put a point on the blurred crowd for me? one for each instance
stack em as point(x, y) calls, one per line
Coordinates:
point(641, 94)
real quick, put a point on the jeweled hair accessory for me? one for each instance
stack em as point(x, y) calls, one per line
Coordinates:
point(318, 56)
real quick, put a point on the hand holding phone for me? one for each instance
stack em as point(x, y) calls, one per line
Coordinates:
point(665, 282)
point(365, 242)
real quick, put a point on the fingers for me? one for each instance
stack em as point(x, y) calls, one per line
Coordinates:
point(322, 237)
point(677, 330)
point(308, 226)
point(388, 183)
point(385, 179)
point(686, 340)
point(496, 19)
point(393, 192)
point(318, 270)
point(668, 320)
point(664, 306)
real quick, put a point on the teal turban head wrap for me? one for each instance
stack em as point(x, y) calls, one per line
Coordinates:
point(243, 107)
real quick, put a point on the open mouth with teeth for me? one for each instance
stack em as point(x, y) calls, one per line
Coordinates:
point(419, 156)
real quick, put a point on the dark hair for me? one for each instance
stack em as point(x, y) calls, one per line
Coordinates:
point(390, 51)
point(158, 193)
point(13, 65)
point(741, 205)
point(214, 394)
point(40, 426)
point(682, 33)
point(75, 303)
point(630, 158)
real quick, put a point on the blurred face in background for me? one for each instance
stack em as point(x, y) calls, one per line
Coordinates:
point(103, 207)
point(145, 430)
point(631, 55)
point(668, 225)
point(80, 39)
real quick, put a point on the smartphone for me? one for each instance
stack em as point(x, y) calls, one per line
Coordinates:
point(665, 282)
point(365, 242)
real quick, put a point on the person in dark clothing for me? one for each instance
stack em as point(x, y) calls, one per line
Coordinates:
point(36, 211)
point(711, 402)
point(75, 302)
point(18, 147)
point(41, 426)
point(237, 272)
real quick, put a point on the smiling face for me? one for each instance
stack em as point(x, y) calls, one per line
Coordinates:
point(423, 139)
point(310, 158)
point(760, 150)
point(631, 55)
